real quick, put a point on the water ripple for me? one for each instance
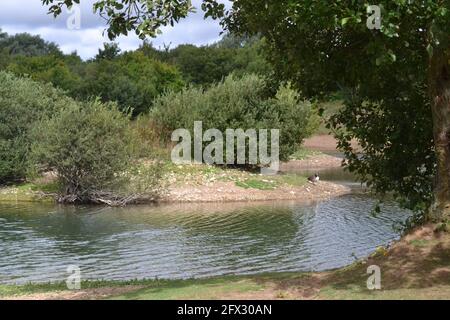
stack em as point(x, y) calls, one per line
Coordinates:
point(38, 243)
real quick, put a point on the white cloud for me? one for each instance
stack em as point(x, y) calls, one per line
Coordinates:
point(30, 16)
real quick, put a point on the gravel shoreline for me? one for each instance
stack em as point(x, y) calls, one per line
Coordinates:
point(229, 192)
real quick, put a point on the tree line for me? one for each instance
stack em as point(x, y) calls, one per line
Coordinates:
point(132, 79)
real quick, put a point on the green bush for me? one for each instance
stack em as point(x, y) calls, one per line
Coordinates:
point(22, 103)
point(90, 147)
point(242, 103)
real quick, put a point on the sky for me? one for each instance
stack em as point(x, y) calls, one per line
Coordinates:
point(17, 16)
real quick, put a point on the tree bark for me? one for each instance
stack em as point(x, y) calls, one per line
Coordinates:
point(439, 86)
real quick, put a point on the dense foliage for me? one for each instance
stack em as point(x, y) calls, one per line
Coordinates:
point(383, 73)
point(210, 64)
point(237, 103)
point(27, 45)
point(132, 79)
point(46, 69)
point(87, 144)
point(22, 103)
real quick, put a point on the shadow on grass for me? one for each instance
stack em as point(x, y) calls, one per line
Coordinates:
point(417, 268)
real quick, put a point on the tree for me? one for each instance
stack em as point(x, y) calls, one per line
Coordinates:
point(131, 79)
point(399, 74)
point(206, 65)
point(90, 146)
point(396, 80)
point(240, 103)
point(22, 103)
point(109, 51)
point(27, 45)
point(46, 69)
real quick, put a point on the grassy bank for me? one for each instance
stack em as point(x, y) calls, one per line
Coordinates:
point(178, 177)
point(29, 192)
point(417, 267)
point(198, 175)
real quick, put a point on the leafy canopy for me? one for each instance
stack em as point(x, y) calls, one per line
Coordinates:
point(123, 16)
point(383, 74)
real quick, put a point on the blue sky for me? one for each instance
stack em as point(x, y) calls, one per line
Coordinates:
point(30, 16)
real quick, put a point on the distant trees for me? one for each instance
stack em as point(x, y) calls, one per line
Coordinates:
point(27, 45)
point(209, 64)
point(109, 51)
point(131, 79)
point(46, 69)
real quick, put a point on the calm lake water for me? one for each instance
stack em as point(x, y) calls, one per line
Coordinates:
point(39, 242)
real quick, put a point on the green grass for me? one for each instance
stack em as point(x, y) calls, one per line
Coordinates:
point(421, 243)
point(213, 288)
point(210, 288)
point(26, 289)
point(272, 182)
point(32, 288)
point(303, 154)
point(191, 169)
point(28, 192)
point(244, 179)
point(292, 179)
point(257, 184)
point(343, 284)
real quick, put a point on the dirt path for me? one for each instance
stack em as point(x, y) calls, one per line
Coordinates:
point(322, 161)
point(324, 143)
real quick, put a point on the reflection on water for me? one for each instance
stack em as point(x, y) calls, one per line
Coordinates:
point(38, 242)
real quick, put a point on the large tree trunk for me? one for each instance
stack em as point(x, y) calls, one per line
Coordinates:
point(439, 85)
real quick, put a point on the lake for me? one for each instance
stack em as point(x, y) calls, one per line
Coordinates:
point(38, 242)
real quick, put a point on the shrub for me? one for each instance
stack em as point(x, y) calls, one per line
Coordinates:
point(243, 103)
point(89, 145)
point(22, 103)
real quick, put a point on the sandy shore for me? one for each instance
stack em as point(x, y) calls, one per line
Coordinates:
point(224, 185)
point(229, 192)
